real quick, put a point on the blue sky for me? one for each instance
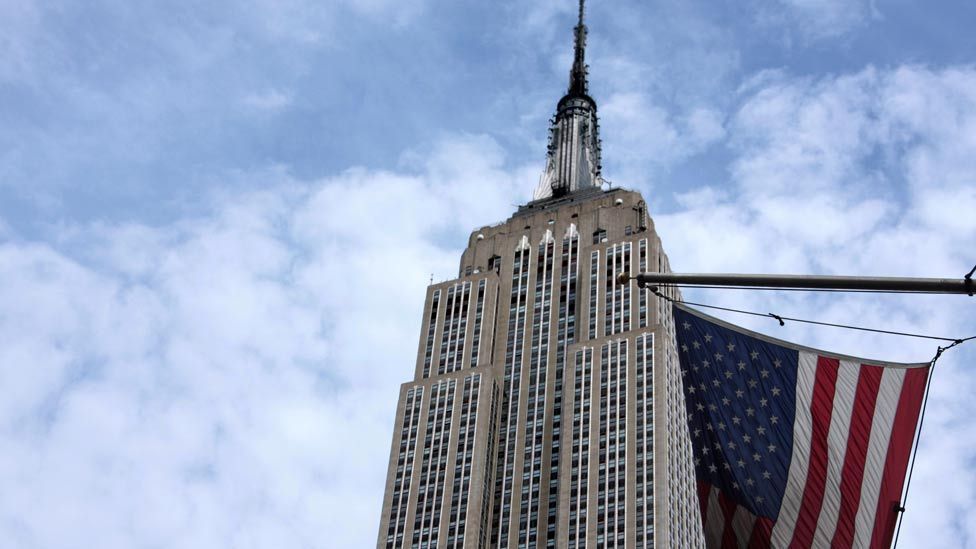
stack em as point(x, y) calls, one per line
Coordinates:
point(202, 206)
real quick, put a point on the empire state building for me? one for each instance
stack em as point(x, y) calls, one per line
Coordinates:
point(546, 407)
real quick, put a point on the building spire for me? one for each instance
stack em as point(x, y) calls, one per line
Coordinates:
point(573, 156)
point(577, 76)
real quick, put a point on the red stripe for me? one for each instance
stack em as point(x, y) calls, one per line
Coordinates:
point(703, 489)
point(762, 530)
point(858, 438)
point(899, 449)
point(821, 408)
point(728, 511)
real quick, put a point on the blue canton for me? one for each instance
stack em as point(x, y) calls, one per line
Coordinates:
point(740, 392)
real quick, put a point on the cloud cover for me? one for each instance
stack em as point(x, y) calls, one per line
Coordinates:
point(184, 380)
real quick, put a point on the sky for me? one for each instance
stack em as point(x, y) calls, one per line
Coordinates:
point(217, 222)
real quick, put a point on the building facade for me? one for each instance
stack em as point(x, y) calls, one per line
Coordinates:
point(546, 408)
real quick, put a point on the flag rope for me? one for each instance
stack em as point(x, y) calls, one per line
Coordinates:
point(955, 341)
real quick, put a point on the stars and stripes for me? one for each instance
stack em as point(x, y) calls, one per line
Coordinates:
point(794, 447)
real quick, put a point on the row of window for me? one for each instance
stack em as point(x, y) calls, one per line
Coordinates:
point(467, 431)
point(455, 327)
point(644, 436)
point(488, 480)
point(476, 332)
point(579, 480)
point(430, 495)
point(612, 485)
point(510, 399)
point(617, 313)
point(566, 329)
point(404, 472)
point(534, 437)
point(431, 329)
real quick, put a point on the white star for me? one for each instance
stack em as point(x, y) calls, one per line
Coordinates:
point(771, 448)
point(700, 406)
point(774, 420)
point(701, 386)
point(697, 433)
point(684, 372)
point(721, 425)
point(754, 355)
point(736, 419)
point(708, 338)
point(697, 461)
point(716, 382)
point(731, 445)
point(684, 347)
point(766, 475)
point(726, 466)
point(750, 482)
point(705, 450)
point(712, 468)
point(759, 499)
point(687, 325)
point(691, 389)
point(719, 357)
point(762, 431)
point(762, 402)
point(709, 426)
point(776, 363)
point(717, 445)
point(728, 374)
point(705, 363)
point(747, 439)
point(695, 344)
point(739, 393)
point(764, 372)
point(730, 347)
point(752, 383)
point(750, 412)
point(735, 485)
point(741, 365)
point(776, 391)
point(712, 407)
point(726, 401)
point(756, 456)
point(741, 463)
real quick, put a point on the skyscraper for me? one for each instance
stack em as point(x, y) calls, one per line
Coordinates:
point(546, 407)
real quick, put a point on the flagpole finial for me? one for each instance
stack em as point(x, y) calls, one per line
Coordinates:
point(623, 278)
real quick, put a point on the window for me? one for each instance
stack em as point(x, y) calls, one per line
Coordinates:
point(599, 235)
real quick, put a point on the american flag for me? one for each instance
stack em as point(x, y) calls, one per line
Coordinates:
point(794, 447)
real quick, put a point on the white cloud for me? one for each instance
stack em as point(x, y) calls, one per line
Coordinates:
point(196, 384)
point(270, 100)
point(19, 32)
point(816, 20)
point(642, 135)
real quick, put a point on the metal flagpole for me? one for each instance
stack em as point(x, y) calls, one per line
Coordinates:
point(808, 282)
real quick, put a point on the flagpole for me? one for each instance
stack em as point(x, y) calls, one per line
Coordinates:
point(807, 282)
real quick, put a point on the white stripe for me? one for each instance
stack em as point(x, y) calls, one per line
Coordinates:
point(800, 461)
point(840, 427)
point(715, 523)
point(884, 418)
point(742, 523)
